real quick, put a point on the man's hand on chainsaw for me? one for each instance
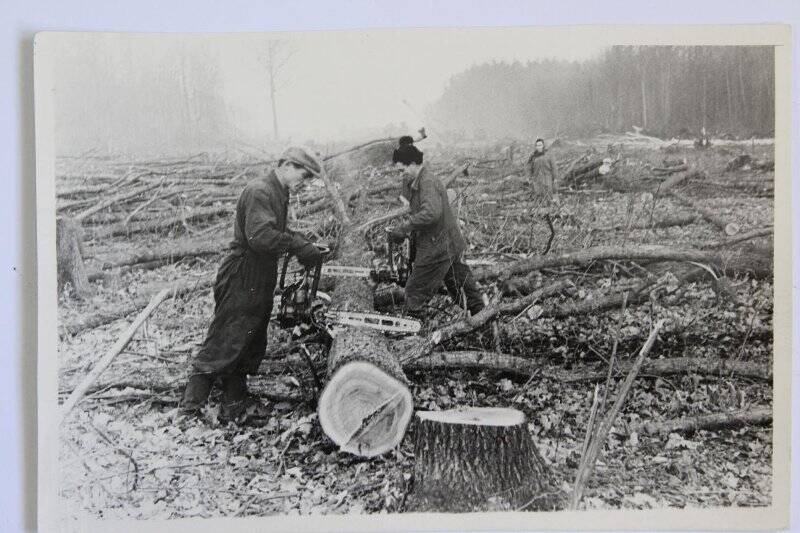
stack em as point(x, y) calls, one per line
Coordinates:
point(396, 235)
point(309, 255)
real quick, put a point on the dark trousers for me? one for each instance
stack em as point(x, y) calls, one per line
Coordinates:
point(237, 337)
point(425, 281)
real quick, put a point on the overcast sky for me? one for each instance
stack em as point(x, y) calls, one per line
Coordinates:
point(176, 93)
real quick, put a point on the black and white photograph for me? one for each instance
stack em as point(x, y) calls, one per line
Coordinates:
point(448, 276)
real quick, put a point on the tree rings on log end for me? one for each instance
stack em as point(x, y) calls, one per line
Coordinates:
point(478, 459)
point(364, 410)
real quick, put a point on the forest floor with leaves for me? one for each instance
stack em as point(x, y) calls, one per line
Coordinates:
point(122, 455)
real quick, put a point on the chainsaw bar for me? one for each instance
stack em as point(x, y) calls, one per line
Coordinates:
point(375, 321)
point(346, 271)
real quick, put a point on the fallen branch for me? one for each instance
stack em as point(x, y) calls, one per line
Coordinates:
point(590, 458)
point(729, 228)
point(111, 201)
point(158, 225)
point(758, 417)
point(107, 359)
point(470, 323)
point(667, 222)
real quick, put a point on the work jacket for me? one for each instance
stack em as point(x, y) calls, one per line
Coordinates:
point(543, 173)
point(433, 226)
point(260, 225)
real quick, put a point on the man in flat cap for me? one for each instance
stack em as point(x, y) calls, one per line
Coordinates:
point(243, 291)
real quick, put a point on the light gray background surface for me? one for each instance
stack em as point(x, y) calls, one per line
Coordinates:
point(20, 19)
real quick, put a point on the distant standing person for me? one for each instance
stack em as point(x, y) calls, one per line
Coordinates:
point(542, 171)
point(435, 236)
point(243, 291)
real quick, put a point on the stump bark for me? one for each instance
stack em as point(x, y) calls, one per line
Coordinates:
point(478, 459)
point(69, 257)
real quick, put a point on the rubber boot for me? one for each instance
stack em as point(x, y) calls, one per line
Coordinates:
point(196, 394)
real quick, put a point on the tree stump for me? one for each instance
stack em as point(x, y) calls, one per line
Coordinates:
point(69, 257)
point(478, 459)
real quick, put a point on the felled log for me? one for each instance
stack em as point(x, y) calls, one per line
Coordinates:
point(159, 225)
point(668, 170)
point(70, 268)
point(757, 262)
point(757, 417)
point(116, 199)
point(667, 222)
point(366, 404)
point(470, 323)
point(730, 228)
point(601, 170)
point(173, 253)
point(478, 459)
point(763, 232)
point(582, 169)
point(525, 368)
point(81, 191)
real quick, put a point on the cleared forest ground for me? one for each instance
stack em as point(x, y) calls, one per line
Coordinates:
point(122, 456)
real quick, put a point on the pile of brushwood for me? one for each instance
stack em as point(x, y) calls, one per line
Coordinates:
point(630, 321)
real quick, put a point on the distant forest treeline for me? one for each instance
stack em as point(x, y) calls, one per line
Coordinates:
point(667, 90)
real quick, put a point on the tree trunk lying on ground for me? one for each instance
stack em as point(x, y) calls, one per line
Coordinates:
point(519, 366)
point(757, 417)
point(730, 228)
point(366, 404)
point(279, 363)
point(158, 225)
point(478, 459)
point(174, 253)
point(757, 261)
point(666, 222)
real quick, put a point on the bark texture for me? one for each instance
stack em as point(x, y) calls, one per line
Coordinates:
point(69, 256)
point(366, 405)
point(487, 464)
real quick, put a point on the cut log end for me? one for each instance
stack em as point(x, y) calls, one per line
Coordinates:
point(365, 410)
point(478, 459)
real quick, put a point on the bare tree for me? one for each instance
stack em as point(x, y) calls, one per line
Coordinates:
point(278, 54)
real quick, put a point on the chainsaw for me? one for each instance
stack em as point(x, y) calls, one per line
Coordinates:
point(393, 266)
point(304, 309)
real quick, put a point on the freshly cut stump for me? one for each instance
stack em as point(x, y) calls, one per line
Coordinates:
point(478, 459)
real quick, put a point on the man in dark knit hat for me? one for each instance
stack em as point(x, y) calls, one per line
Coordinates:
point(436, 236)
point(406, 151)
point(243, 291)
